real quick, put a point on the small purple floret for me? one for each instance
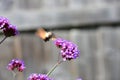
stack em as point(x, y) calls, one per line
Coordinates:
point(16, 64)
point(4, 22)
point(35, 76)
point(68, 49)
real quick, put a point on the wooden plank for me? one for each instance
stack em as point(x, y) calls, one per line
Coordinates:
point(17, 51)
point(111, 53)
point(6, 56)
point(50, 18)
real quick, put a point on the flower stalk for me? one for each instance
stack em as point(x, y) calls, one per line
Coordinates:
point(3, 40)
point(14, 75)
point(54, 67)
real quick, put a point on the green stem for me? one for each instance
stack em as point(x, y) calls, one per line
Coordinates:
point(3, 39)
point(14, 75)
point(58, 57)
point(53, 68)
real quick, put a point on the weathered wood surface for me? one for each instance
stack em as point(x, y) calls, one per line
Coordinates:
point(54, 13)
point(99, 58)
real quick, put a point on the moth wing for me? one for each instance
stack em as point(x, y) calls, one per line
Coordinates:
point(41, 33)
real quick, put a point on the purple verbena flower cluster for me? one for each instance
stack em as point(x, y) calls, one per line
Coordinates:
point(35, 76)
point(68, 49)
point(8, 29)
point(16, 64)
point(79, 79)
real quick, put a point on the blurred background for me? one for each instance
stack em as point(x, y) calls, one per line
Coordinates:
point(94, 25)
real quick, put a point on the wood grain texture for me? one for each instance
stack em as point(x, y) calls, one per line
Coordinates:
point(99, 57)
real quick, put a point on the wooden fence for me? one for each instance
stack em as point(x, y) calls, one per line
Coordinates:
point(99, 57)
point(100, 48)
